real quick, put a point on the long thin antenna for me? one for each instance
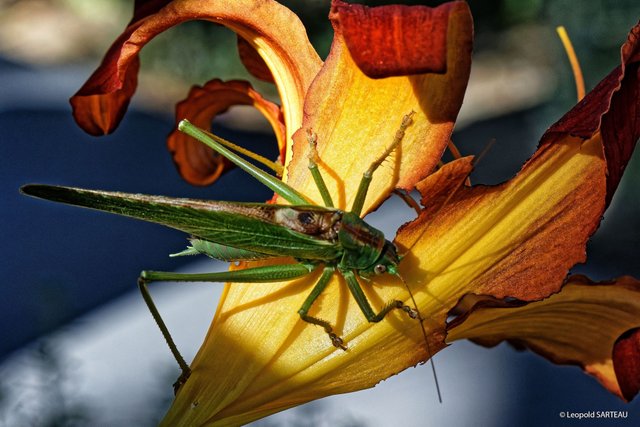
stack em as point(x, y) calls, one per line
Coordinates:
point(426, 340)
point(415, 304)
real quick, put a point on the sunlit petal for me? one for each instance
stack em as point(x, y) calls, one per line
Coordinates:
point(356, 117)
point(580, 325)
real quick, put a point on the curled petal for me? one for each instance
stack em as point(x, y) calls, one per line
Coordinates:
point(100, 104)
point(395, 40)
point(253, 62)
point(580, 325)
point(356, 117)
point(197, 163)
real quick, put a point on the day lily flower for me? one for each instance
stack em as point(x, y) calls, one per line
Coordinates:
point(495, 259)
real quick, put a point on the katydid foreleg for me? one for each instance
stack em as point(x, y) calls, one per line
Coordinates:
point(365, 306)
point(407, 199)
point(315, 172)
point(363, 188)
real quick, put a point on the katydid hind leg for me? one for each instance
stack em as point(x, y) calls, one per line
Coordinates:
point(184, 366)
point(270, 273)
point(249, 275)
point(322, 283)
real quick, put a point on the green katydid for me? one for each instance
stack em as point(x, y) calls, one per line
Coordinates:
point(317, 237)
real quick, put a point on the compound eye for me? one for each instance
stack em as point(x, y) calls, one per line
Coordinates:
point(379, 269)
point(306, 218)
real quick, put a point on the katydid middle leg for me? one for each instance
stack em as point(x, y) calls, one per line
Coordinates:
point(327, 273)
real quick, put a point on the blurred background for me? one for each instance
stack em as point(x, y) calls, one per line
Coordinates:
point(78, 346)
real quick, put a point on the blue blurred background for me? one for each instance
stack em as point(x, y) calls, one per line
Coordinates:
point(66, 270)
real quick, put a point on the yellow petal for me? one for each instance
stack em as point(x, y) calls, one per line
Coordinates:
point(278, 361)
point(577, 326)
point(356, 117)
point(517, 239)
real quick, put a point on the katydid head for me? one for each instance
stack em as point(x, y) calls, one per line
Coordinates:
point(387, 262)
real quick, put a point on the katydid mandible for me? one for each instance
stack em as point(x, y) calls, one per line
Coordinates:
point(317, 237)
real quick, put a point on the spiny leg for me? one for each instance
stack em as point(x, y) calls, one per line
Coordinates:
point(272, 273)
point(365, 306)
point(212, 141)
point(327, 273)
point(184, 367)
point(407, 199)
point(315, 172)
point(368, 174)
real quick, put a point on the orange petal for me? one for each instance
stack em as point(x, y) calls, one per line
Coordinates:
point(100, 104)
point(356, 117)
point(501, 240)
point(580, 325)
point(626, 362)
point(391, 40)
point(197, 163)
point(520, 238)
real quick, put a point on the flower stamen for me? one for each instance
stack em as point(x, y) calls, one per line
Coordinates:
point(573, 59)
